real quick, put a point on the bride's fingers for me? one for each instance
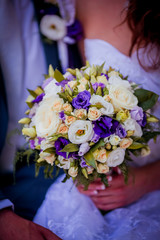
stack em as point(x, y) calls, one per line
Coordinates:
point(94, 186)
point(88, 192)
point(109, 206)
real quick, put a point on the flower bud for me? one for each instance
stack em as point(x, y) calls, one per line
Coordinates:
point(102, 168)
point(145, 151)
point(24, 121)
point(30, 132)
point(73, 171)
point(130, 133)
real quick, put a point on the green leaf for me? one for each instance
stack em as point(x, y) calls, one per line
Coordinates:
point(78, 74)
point(55, 136)
point(68, 90)
point(63, 95)
point(66, 178)
point(50, 150)
point(71, 71)
point(99, 91)
point(136, 145)
point(93, 79)
point(84, 171)
point(105, 91)
point(86, 76)
point(98, 106)
point(146, 99)
point(33, 94)
point(123, 167)
point(101, 143)
point(91, 87)
point(104, 179)
point(51, 71)
point(100, 69)
point(149, 135)
point(90, 159)
point(71, 147)
point(58, 76)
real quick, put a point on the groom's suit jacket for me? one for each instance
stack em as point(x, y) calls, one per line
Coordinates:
point(28, 192)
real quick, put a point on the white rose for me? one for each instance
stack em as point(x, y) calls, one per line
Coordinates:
point(57, 104)
point(122, 97)
point(53, 27)
point(107, 107)
point(81, 87)
point(102, 155)
point(51, 89)
point(80, 131)
point(69, 120)
point(46, 120)
point(102, 168)
point(93, 114)
point(73, 171)
point(45, 143)
point(116, 157)
point(102, 79)
point(50, 158)
point(64, 163)
point(67, 107)
point(132, 125)
point(80, 113)
point(117, 80)
point(114, 139)
point(126, 142)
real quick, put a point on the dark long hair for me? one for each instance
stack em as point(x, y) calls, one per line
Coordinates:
point(143, 17)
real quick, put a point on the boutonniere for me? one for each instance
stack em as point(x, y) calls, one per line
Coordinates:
point(56, 24)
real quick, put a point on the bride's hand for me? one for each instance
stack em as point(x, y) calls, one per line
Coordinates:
point(118, 194)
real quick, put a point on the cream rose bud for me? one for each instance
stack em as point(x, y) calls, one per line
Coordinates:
point(64, 163)
point(90, 170)
point(145, 151)
point(121, 97)
point(46, 120)
point(132, 125)
point(63, 128)
point(80, 131)
point(116, 157)
point(30, 132)
point(50, 158)
point(93, 114)
point(69, 120)
point(117, 80)
point(114, 139)
point(73, 171)
point(72, 84)
point(107, 108)
point(102, 79)
point(102, 168)
point(102, 155)
point(81, 87)
point(83, 81)
point(80, 113)
point(126, 142)
point(53, 27)
point(67, 107)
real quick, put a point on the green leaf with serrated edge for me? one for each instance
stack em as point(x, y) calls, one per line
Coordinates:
point(71, 147)
point(146, 99)
point(58, 76)
point(91, 88)
point(100, 69)
point(104, 179)
point(33, 94)
point(90, 159)
point(71, 71)
point(101, 143)
point(124, 169)
point(50, 150)
point(136, 145)
point(51, 71)
point(99, 91)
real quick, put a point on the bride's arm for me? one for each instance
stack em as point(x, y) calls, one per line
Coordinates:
point(118, 194)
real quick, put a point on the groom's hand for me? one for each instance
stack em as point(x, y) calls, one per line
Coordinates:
point(14, 227)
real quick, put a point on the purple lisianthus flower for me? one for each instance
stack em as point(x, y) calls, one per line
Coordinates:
point(120, 131)
point(137, 113)
point(114, 126)
point(46, 82)
point(62, 83)
point(75, 31)
point(32, 143)
point(82, 100)
point(95, 138)
point(38, 98)
point(40, 140)
point(96, 85)
point(83, 163)
point(60, 143)
point(103, 74)
point(102, 126)
point(143, 121)
point(84, 147)
point(62, 115)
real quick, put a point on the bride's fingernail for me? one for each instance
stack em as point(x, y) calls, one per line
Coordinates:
point(103, 187)
point(95, 192)
point(109, 178)
point(119, 171)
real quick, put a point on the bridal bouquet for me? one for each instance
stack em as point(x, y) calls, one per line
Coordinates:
point(88, 121)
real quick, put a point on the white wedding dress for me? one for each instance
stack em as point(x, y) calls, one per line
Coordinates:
point(72, 215)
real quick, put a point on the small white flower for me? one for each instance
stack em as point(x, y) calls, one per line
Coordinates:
point(81, 87)
point(50, 158)
point(67, 107)
point(83, 81)
point(107, 107)
point(64, 163)
point(51, 89)
point(80, 113)
point(80, 131)
point(116, 157)
point(45, 143)
point(84, 147)
point(114, 139)
point(132, 125)
point(53, 27)
point(93, 114)
point(90, 169)
point(72, 84)
point(102, 79)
